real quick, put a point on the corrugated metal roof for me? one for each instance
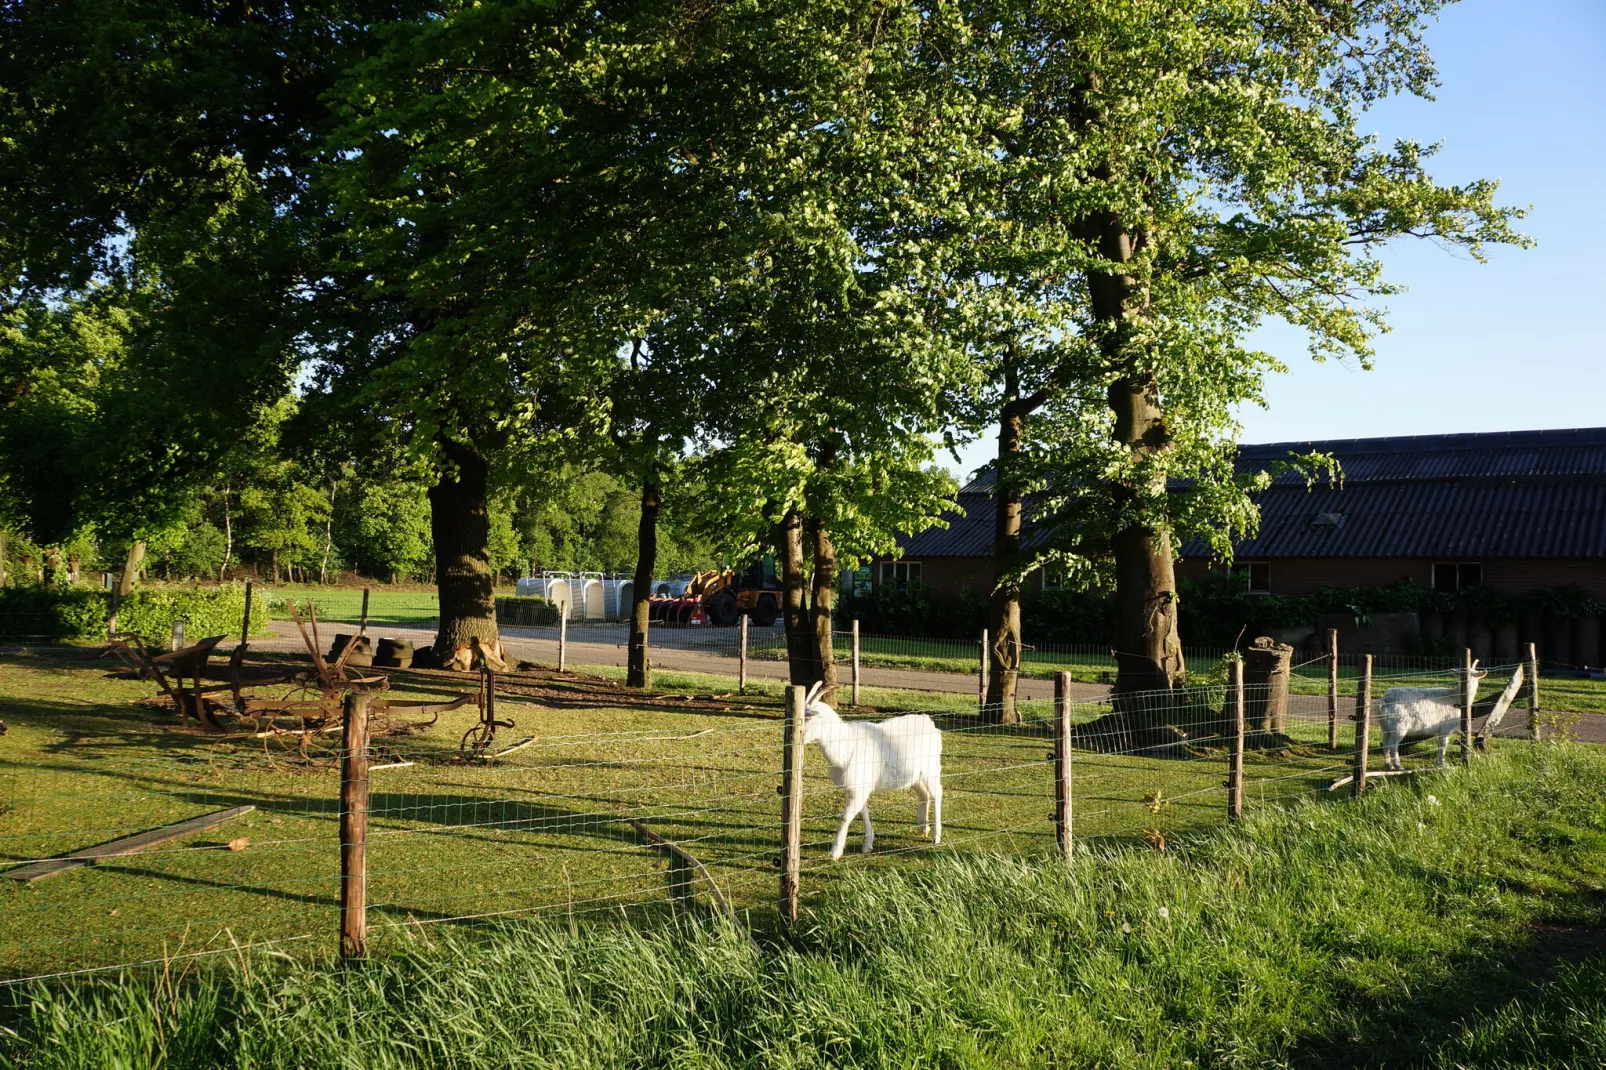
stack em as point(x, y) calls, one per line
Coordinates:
point(1485, 495)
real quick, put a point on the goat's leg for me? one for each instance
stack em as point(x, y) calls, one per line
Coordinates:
point(869, 830)
point(923, 810)
point(1444, 745)
point(856, 803)
point(934, 787)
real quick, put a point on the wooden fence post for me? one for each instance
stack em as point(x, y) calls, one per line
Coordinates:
point(1332, 688)
point(1533, 691)
point(563, 637)
point(111, 613)
point(981, 675)
point(1363, 725)
point(1240, 728)
point(1468, 684)
point(792, 804)
point(245, 621)
point(1062, 764)
point(741, 654)
point(855, 662)
point(363, 628)
point(354, 829)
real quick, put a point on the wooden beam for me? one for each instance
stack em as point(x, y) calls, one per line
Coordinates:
point(128, 845)
point(1502, 704)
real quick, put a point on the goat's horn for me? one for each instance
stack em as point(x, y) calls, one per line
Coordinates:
point(814, 692)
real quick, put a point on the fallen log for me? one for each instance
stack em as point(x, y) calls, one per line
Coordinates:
point(128, 845)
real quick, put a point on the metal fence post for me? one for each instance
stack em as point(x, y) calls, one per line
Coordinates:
point(1533, 691)
point(792, 804)
point(1363, 725)
point(354, 829)
point(741, 655)
point(1467, 686)
point(563, 636)
point(1332, 688)
point(855, 662)
point(1062, 764)
point(1235, 766)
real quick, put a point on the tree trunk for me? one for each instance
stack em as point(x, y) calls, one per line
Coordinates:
point(228, 538)
point(131, 565)
point(52, 565)
point(821, 597)
point(1148, 653)
point(2, 558)
point(800, 654)
point(1004, 646)
point(73, 563)
point(461, 528)
point(639, 673)
point(329, 539)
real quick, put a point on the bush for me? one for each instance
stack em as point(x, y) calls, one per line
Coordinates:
point(150, 612)
point(527, 611)
point(81, 612)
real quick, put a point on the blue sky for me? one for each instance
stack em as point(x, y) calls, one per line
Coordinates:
point(1513, 344)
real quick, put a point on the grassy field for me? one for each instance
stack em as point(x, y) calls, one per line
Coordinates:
point(543, 830)
point(1446, 922)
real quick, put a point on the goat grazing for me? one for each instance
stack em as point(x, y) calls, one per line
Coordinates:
point(865, 757)
point(1414, 713)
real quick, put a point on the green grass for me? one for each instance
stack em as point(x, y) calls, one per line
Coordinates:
point(1450, 921)
point(542, 831)
point(385, 606)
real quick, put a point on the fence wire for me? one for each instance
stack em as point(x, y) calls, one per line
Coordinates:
point(560, 823)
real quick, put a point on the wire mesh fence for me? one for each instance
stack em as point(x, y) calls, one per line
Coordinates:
point(193, 845)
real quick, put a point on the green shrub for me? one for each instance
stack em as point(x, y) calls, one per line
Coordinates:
point(53, 613)
point(150, 612)
point(526, 611)
point(81, 612)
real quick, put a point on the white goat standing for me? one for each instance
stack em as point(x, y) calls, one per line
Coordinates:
point(865, 757)
point(1413, 713)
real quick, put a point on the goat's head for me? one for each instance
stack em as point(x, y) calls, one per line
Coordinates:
point(1477, 673)
point(816, 714)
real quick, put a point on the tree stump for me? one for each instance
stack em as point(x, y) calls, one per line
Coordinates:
point(1267, 667)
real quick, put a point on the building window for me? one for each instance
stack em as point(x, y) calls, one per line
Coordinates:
point(1452, 576)
point(900, 574)
point(1053, 579)
point(1255, 576)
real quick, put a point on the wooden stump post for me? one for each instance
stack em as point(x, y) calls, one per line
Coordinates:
point(1267, 667)
point(981, 675)
point(1363, 726)
point(245, 621)
point(741, 655)
point(1533, 691)
point(792, 804)
point(1468, 684)
point(855, 663)
point(178, 635)
point(354, 829)
point(363, 628)
point(111, 613)
point(1062, 764)
point(1332, 688)
point(563, 638)
point(1240, 729)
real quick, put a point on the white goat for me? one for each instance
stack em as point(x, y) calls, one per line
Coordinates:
point(891, 755)
point(1412, 713)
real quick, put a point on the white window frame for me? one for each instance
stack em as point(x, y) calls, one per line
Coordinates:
point(910, 571)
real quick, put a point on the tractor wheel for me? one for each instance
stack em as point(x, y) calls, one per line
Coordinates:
point(722, 611)
point(766, 611)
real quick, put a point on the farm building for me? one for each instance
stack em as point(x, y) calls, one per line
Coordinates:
point(1513, 511)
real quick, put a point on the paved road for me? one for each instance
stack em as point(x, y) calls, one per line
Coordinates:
point(713, 650)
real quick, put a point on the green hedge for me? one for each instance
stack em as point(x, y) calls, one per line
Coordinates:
point(80, 612)
point(526, 612)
